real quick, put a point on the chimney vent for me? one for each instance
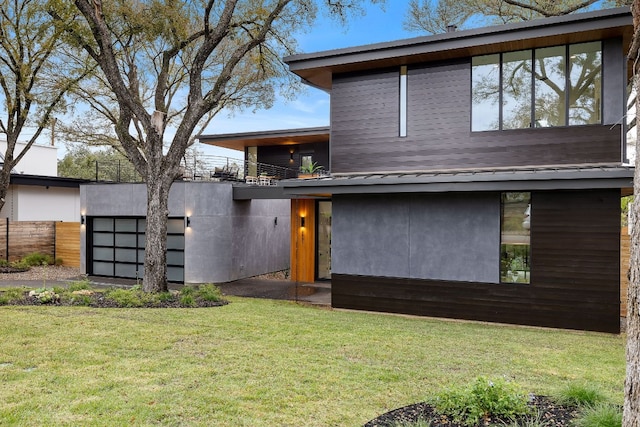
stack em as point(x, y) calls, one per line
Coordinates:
point(451, 28)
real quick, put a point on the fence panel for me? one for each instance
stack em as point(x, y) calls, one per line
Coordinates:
point(68, 243)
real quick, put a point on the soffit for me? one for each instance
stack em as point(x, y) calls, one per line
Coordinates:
point(239, 141)
point(317, 69)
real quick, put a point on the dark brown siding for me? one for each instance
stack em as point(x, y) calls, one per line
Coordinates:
point(574, 275)
point(280, 155)
point(365, 127)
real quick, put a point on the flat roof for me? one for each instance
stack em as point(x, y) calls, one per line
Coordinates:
point(46, 181)
point(239, 141)
point(317, 68)
point(569, 177)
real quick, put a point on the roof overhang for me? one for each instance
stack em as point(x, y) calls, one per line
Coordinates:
point(239, 141)
point(46, 181)
point(564, 178)
point(317, 69)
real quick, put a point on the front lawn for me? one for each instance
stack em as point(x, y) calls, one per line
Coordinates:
point(268, 363)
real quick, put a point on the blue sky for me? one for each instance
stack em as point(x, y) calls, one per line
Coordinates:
point(311, 108)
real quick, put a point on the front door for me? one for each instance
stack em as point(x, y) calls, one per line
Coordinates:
point(323, 240)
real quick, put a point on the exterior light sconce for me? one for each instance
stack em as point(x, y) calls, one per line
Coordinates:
point(187, 221)
point(275, 221)
point(82, 219)
point(291, 155)
point(302, 222)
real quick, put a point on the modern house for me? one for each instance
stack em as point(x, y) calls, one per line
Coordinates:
point(473, 175)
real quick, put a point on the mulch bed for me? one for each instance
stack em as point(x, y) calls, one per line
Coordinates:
point(551, 414)
point(98, 300)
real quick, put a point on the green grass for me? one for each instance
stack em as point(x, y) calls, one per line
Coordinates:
point(268, 363)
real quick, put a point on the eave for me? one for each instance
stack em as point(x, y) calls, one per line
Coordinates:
point(317, 69)
point(239, 141)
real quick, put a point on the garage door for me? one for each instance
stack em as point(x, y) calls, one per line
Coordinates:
point(116, 247)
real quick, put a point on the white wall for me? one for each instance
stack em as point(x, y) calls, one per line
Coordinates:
point(38, 203)
point(39, 160)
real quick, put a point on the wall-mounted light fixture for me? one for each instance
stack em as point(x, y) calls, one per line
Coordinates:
point(291, 155)
point(275, 221)
point(82, 219)
point(302, 221)
point(187, 221)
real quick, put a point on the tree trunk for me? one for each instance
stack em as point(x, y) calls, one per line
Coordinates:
point(631, 413)
point(155, 263)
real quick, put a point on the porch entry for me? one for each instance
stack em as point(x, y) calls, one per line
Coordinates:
point(310, 240)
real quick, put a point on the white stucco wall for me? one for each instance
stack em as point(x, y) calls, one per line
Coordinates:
point(39, 160)
point(38, 203)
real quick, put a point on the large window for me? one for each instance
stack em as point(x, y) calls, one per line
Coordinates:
point(515, 244)
point(545, 87)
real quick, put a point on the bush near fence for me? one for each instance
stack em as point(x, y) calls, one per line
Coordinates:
point(57, 239)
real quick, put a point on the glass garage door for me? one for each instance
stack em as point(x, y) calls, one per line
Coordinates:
point(116, 247)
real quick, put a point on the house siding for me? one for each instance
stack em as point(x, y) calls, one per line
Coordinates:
point(574, 274)
point(365, 124)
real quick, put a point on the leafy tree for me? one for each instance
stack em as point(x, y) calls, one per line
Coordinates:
point(35, 73)
point(435, 16)
point(169, 64)
point(101, 165)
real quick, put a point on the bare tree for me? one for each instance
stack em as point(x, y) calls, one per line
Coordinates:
point(35, 75)
point(435, 16)
point(174, 65)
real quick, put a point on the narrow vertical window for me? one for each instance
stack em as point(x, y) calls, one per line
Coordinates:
point(485, 93)
point(516, 90)
point(515, 242)
point(403, 101)
point(550, 86)
point(585, 70)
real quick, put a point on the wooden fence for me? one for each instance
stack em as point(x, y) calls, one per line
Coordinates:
point(58, 239)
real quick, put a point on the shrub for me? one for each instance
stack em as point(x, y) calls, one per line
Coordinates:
point(125, 298)
point(11, 295)
point(420, 422)
point(599, 415)
point(79, 285)
point(58, 262)
point(45, 295)
point(187, 300)
point(209, 292)
point(483, 399)
point(580, 395)
point(36, 258)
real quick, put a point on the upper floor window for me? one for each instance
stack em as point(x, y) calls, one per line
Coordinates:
point(545, 87)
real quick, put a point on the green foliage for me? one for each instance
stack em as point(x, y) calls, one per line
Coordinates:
point(45, 295)
point(311, 168)
point(535, 420)
point(625, 204)
point(209, 292)
point(35, 259)
point(127, 297)
point(600, 415)
point(484, 398)
point(79, 285)
point(421, 422)
point(187, 300)
point(81, 161)
point(579, 395)
point(11, 295)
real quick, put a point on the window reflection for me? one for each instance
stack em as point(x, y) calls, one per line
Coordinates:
point(550, 82)
point(485, 109)
point(585, 69)
point(515, 240)
point(516, 90)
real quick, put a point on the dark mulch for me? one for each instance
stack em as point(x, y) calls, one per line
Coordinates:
point(98, 300)
point(9, 269)
point(551, 414)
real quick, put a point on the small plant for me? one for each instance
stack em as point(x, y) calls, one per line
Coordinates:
point(599, 415)
point(534, 420)
point(187, 300)
point(125, 297)
point(420, 422)
point(483, 400)
point(79, 285)
point(44, 295)
point(10, 295)
point(209, 292)
point(311, 168)
point(580, 395)
point(34, 259)
point(58, 262)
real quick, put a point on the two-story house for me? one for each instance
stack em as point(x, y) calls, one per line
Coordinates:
point(478, 174)
point(473, 175)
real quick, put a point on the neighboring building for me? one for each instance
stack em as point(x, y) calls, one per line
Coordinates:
point(474, 174)
point(35, 191)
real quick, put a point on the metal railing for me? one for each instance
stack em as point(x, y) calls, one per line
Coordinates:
point(197, 168)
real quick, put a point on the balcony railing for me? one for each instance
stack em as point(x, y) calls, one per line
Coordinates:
point(199, 168)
